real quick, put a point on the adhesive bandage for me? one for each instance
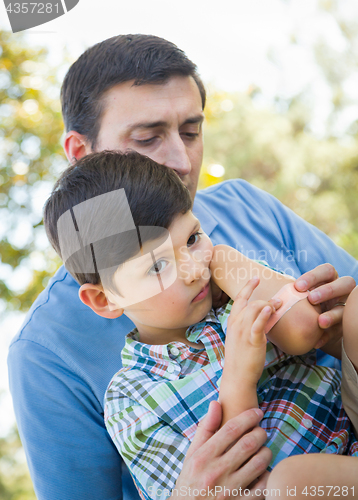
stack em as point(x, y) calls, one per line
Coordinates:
point(289, 296)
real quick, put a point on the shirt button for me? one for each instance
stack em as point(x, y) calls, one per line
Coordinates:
point(175, 351)
point(307, 423)
point(170, 369)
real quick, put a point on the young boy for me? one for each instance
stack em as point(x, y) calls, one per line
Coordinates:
point(143, 254)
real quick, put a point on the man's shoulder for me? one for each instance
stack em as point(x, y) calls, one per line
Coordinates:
point(229, 186)
point(49, 303)
point(233, 191)
point(64, 336)
point(60, 322)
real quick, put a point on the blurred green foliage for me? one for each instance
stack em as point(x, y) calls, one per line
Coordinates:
point(317, 178)
point(30, 158)
point(15, 483)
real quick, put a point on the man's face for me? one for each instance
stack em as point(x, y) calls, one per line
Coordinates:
point(163, 122)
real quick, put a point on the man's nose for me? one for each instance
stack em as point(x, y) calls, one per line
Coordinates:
point(176, 156)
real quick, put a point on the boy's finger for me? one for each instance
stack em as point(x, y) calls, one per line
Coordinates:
point(276, 303)
point(246, 291)
point(243, 296)
point(258, 327)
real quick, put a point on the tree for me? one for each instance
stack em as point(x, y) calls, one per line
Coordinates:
point(30, 159)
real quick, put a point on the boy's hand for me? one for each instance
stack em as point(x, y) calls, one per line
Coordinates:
point(331, 292)
point(245, 346)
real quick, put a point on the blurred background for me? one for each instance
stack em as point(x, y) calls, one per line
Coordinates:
point(282, 113)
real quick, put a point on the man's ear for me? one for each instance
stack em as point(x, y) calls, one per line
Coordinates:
point(76, 145)
point(94, 297)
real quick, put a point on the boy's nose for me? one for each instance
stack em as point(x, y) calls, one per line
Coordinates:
point(194, 271)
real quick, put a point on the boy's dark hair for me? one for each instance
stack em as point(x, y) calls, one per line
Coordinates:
point(154, 192)
point(146, 59)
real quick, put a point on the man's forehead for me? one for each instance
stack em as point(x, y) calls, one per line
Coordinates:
point(150, 103)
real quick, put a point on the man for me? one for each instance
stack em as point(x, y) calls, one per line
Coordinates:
point(141, 92)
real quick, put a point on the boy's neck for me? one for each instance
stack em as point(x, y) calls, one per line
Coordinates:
point(158, 336)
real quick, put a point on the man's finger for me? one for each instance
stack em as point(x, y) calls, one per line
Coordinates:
point(245, 447)
point(324, 273)
point(338, 290)
point(332, 317)
point(233, 430)
point(258, 486)
point(206, 428)
point(254, 468)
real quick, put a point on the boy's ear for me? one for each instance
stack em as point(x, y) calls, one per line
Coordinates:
point(76, 145)
point(94, 297)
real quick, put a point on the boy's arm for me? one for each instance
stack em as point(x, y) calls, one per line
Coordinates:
point(297, 332)
point(245, 352)
point(206, 464)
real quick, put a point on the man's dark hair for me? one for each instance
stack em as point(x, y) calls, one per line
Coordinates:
point(145, 59)
point(154, 192)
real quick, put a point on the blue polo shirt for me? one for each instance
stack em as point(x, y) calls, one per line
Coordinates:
point(64, 355)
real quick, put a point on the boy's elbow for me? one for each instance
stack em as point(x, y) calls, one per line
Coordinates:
point(297, 332)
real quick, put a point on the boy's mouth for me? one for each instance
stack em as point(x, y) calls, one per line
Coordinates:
point(203, 293)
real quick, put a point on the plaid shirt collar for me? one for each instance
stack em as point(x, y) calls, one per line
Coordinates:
point(157, 359)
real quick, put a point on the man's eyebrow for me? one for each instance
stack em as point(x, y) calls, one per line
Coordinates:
point(161, 123)
point(195, 119)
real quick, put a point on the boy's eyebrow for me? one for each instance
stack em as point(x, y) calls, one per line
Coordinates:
point(196, 226)
point(161, 123)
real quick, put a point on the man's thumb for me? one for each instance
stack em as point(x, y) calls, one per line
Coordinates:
point(206, 428)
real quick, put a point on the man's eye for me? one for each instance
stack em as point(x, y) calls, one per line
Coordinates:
point(194, 238)
point(145, 142)
point(190, 135)
point(158, 267)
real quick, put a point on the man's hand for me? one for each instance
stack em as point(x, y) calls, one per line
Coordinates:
point(330, 291)
point(232, 458)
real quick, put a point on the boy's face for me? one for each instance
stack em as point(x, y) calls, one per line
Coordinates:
point(162, 121)
point(165, 317)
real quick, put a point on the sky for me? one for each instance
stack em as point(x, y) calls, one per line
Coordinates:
point(229, 41)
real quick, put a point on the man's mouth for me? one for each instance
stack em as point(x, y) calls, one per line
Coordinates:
point(203, 293)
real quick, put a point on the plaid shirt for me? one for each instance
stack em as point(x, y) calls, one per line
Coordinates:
point(154, 404)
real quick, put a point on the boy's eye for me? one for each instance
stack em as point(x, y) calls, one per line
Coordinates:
point(193, 239)
point(158, 267)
